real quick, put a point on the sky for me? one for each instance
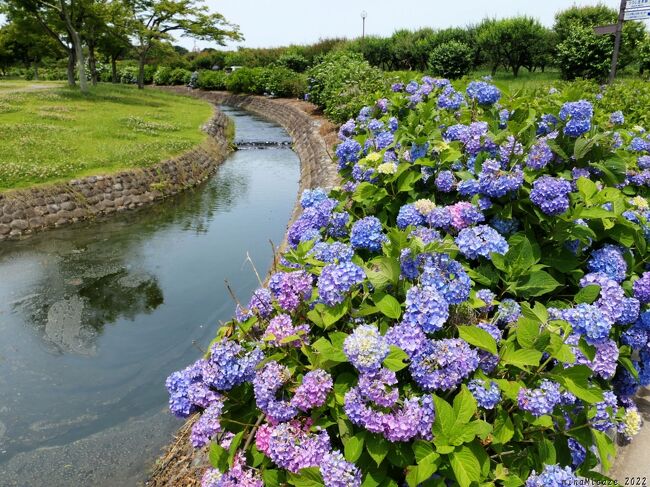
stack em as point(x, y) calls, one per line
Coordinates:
point(269, 23)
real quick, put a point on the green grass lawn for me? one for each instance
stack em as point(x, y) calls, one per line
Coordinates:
point(49, 132)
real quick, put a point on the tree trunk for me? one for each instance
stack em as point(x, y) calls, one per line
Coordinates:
point(114, 70)
point(494, 69)
point(92, 64)
point(35, 70)
point(141, 62)
point(81, 65)
point(71, 81)
point(515, 70)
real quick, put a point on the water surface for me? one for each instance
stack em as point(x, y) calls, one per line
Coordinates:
point(93, 317)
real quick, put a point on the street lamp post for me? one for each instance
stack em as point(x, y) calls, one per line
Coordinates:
point(364, 14)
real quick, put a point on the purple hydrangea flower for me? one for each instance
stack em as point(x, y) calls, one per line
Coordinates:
point(409, 337)
point(268, 381)
point(464, 214)
point(281, 327)
point(642, 288)
point(337, 472)
point(445, 181)
point(374, 386)
point(293, 448)
point(495, 182)
point(207, 426)
point(312, 393)
point(291, 288)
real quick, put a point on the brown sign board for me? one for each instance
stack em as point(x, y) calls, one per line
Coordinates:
point(605, 29)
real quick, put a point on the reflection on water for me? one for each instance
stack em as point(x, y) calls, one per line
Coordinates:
point(93, 317)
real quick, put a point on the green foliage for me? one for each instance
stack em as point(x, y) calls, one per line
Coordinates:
point(212, 80)
point(341, 84)
point(513, 43)
point(58, 134)
point(583, 54)
point(171, 76)
point(451, 60)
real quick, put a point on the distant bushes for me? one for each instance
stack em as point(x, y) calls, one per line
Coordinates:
point(276, 81)
point(168, 76)
point(211, 80)
point(341, 84)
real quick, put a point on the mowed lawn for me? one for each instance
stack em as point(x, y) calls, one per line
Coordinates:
point(49, 132)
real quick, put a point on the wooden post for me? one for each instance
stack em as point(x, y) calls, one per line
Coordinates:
point(617, 40)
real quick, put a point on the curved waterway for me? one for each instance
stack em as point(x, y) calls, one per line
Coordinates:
point(94, 317)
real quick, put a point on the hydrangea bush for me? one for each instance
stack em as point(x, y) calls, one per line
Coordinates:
point(468, 308)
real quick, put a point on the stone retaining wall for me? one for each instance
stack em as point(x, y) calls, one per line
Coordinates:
point(26, 211)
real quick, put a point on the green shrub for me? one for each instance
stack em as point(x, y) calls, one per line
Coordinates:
point(128, 75)
point(162, 75)
point(583, 54)
point(341, 83)
point(179, 76)
point(285, 83)
point(452, 60)
point(294, 61)
point(246, 80)
point(212, 80)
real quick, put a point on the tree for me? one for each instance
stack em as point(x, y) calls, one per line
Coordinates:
point(583, 54)
point(512, 42)
point(155, 20)
point(62, 20)
point(567, 21)
point(113, 41)
point(22, 41)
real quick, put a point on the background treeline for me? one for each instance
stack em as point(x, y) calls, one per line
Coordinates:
point(130, 41)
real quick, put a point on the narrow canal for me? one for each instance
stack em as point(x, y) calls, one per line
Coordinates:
point(95, 316)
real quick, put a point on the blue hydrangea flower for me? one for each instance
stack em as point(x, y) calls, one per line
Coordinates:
point(484, 93)
point(448, 277)
point(310, 197)
point(347, 152)
point(426, 308)
point(617, 118)
point(487, 395)
point(230, 365)
point(495, 182)
point(367, 234)
point(508, 311)
point(487, 297)
point(547, 124)
point(409, 215)
point(268, 381)
point(443, 364)
point(336, 281)
point(481, 240)
point(540, 155)
point(609, 261)
point(540, 401)
point(552, 476)
point(445, 181)
point(589, 321)
point(450, 99)
point(551, 195)
point(578, 116)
